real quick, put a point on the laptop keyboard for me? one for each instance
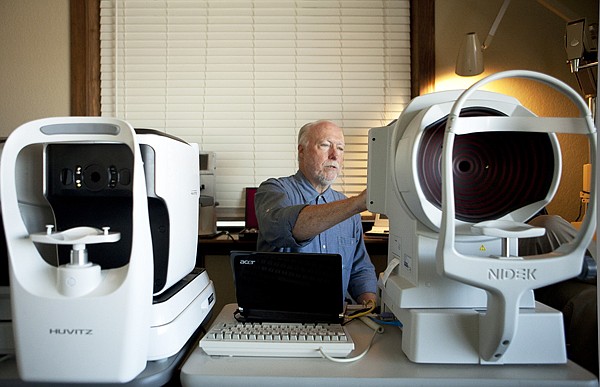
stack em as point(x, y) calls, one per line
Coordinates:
point(277, 339)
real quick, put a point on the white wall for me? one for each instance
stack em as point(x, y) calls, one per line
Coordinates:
point(34, 61)
point(529, 37)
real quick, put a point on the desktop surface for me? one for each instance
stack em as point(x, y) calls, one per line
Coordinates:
point(384, 365)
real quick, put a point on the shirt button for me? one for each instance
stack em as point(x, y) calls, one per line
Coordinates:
point(324, 247)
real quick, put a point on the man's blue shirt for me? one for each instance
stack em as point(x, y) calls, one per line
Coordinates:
point(278, 203)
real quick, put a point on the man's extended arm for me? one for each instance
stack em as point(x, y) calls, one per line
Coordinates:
point(315, 219)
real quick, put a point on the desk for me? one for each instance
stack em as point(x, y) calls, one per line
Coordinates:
point(384, 365)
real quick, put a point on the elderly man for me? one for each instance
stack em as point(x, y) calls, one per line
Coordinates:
point(302, 213)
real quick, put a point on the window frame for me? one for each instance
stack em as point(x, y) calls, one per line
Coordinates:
point(84, 23)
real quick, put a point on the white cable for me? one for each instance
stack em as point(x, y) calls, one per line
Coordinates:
point(371, 324)
point(383, 277)
point(349, 359)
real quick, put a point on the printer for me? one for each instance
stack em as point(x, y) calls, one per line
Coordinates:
point(100, 225)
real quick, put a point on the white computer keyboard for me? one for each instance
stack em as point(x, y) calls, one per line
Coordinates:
point(277, 339)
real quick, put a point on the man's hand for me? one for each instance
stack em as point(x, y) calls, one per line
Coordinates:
point(365, 298)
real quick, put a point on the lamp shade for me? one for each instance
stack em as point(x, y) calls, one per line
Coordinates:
point(470, 56)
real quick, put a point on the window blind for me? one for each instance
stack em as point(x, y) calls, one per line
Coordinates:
point(240, 77)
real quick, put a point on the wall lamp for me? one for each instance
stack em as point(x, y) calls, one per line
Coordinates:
point(469, 61)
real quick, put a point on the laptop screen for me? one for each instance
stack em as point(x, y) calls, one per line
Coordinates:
point(299, 287)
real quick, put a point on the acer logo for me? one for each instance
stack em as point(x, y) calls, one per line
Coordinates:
point(512, 274)
point(75, 331)
point(247, 261)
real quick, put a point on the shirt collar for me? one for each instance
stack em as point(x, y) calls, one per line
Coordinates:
point(309, 193)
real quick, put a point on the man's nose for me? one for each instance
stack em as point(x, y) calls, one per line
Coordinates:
point(334, 153)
